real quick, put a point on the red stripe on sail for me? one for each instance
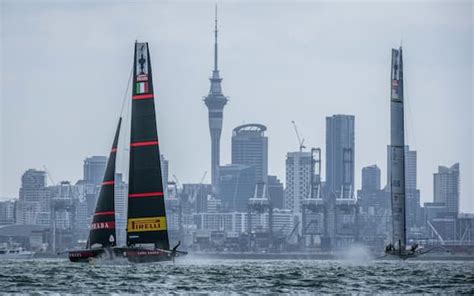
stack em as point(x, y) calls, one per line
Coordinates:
point(142, 97)
point(147, 143)
point(108, 183)
point(147, 194)
point(104, 213)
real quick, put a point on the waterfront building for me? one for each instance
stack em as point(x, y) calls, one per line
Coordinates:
point(371, 178)
point(121, 202)
point(33, 206)
point(164, 171)
point(298, 178)
point(7, 212)
point(374, 210)
point(94, 169)
point(275, 192)
point(446, 188)
point(414, 215)
point(250, 147)
point(236, 186)
point(340, 151)
point(198, 194)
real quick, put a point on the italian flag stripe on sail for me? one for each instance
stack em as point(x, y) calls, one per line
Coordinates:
point(141, 87)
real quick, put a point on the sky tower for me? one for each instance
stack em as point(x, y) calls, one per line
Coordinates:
point(215, 102)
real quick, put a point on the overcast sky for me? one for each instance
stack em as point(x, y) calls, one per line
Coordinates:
point(65, 66)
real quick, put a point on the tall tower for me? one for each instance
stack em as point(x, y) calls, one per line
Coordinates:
point(215, 102)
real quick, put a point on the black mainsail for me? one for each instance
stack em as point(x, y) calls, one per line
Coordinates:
point(102, 232)
point(397, 147)
point(146, 221)
point(146, 208)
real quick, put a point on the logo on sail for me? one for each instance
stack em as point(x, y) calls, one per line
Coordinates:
point(146, 224)
point(396, 75)
point(103, 225)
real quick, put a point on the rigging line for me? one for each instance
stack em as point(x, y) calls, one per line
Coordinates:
point(409, 129)
point(126, 90)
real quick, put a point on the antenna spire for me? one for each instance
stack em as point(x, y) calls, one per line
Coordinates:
point(215, 40)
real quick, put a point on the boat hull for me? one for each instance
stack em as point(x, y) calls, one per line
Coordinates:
point(404, 254)
point(134, 255)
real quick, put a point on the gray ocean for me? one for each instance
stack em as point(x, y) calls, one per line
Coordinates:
point(209, 276)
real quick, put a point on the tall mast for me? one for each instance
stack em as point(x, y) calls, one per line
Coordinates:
point(146, 208)
point(397, 151)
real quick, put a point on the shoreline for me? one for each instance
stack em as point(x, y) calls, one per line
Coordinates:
point(292, 256)
point(320, 256)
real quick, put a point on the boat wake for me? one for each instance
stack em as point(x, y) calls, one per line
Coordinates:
point(357, 254)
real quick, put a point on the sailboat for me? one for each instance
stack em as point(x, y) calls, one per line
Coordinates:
point(147, 234)
point(398, 246)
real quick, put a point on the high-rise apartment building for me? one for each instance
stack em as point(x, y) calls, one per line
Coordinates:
point(94, 169)
point(413, 212)
point(276, 192)
point(33, 206)
point(446, 188)
point(250, 147)
point(298, 178)
point(340, 151)
point(371, 178)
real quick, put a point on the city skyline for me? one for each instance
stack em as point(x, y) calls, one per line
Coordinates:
point(85, 135)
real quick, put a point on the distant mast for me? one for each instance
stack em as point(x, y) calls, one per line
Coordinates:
point(397, 147)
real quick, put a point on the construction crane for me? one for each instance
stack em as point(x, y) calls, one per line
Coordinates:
point(198, 188)
point(290, 235)
point(300, 141)
point(49, 175)
point(203, 177)
point(176, 181)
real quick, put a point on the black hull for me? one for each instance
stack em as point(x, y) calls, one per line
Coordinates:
point(134, 255)
point(396, 254)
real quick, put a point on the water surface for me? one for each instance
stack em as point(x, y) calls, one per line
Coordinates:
point(191, 276)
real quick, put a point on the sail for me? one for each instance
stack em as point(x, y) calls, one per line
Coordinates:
point(397, 151)
point(146, 208)
point(102, 232)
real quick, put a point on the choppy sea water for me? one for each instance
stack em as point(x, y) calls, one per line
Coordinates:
point(199, 276)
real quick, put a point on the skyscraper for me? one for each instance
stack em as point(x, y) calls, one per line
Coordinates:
point(33, 206)
point(121, 198)
point(371, 178)
point(275, 191)
point(446, 188)
point(236, 186)
point(164, 170)
point(215, 102)
point(250, 147)
point(414, 216)
point(298, 178)
point(94, 169)
point(340, 155)
point(7, 212)
point(410, 167)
